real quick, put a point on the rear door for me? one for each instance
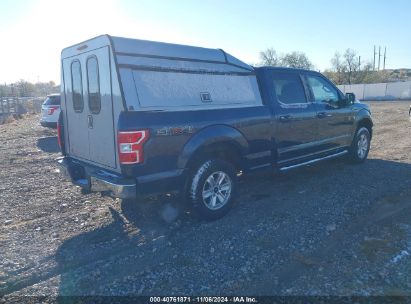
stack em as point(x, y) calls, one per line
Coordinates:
point(89, 106)
point(76, 110)
point(296, 117)
point(100, 108)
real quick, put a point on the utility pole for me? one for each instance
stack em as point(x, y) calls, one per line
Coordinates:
point(385, 56)
point(375, 53)
point(359, 63)
point(379, 57)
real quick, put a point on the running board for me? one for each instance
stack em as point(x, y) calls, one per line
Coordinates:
point(314, 161)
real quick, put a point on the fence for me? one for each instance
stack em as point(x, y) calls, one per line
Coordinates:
point(379, 91)
point(20, 105)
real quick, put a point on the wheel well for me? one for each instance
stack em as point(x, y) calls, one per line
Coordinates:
point(224, 151)
point(367, 124)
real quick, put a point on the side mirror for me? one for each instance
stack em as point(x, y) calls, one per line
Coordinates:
point(350, 97)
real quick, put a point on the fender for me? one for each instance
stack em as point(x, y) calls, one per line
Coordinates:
point(362, 115)
point(209, 136)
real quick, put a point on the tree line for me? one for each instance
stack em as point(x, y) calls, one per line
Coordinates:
point(346, 68)
point(23, 88)
point(269, 57)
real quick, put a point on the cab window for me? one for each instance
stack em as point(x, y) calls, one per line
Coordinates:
point(289, 88)
point(322, 90)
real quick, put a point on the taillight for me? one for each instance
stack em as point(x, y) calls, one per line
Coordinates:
point(130, 146)
point(51, 110)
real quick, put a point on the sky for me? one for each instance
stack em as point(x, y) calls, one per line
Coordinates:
point(33, 32)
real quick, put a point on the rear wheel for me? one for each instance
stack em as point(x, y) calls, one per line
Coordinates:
point(360, 145)
point(212, 189)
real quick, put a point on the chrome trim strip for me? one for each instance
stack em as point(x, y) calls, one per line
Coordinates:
point(260, 166)
point(314, 160)
point(312, 144)
point(258, 154)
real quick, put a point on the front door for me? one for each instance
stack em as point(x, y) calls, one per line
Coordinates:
point(335, 117)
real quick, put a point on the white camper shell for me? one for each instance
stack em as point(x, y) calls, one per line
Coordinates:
point(106, 75)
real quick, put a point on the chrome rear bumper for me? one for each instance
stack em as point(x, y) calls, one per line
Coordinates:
point(96, 180)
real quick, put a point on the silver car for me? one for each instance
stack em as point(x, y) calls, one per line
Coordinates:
point(50, 111)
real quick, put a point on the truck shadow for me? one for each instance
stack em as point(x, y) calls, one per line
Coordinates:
point(90, 261)
point(48, 144)
point(121, 257)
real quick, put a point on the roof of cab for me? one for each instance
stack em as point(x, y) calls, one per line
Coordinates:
point(152, 49)
point(276, 68)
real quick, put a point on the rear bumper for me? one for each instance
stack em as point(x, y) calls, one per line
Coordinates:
point(97, 180)
point(48, 124)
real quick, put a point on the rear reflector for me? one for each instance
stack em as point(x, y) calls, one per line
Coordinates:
point(130, 146)
point(51, 110)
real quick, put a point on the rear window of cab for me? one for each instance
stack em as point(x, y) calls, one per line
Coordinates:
point(52, 101)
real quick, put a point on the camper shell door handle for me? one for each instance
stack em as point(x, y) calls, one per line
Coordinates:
point(90, 121)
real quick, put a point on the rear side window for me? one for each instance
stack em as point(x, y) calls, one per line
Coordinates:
point(93, 83)
point(289, 88)
point(76, 86)
point(52, 101)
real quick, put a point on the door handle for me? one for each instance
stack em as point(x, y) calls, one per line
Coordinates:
point(285, 118)
point(90, 121)
point(323, 115)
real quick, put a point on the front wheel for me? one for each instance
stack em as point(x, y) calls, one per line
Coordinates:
point(212, 189)
point(360, 145)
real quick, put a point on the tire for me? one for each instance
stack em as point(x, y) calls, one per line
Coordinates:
point(211, 189)
point(360, 145)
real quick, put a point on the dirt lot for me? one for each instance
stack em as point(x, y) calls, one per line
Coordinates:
point(327, 229)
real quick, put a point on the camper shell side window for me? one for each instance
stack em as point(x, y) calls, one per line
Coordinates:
point(93, 85)
point(77, 86)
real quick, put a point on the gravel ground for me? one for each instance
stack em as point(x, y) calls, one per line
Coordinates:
point(328, 229)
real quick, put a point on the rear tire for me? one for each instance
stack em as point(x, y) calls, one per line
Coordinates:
point(360, 145)
point(211, 189)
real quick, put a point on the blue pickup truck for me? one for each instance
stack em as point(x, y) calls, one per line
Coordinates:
point(141, 117)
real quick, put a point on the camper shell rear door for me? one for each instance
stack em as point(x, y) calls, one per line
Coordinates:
point(89, 107)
